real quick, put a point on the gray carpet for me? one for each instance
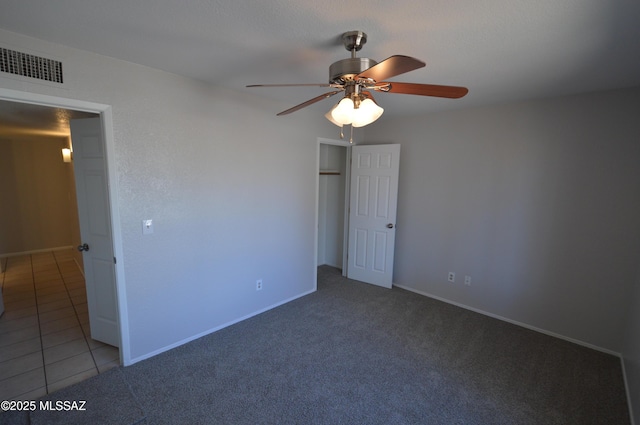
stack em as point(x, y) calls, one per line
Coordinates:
point(352, 353)
point(108, 401)
point(108, 397)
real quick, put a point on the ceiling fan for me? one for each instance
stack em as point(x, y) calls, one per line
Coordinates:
point(359, 77)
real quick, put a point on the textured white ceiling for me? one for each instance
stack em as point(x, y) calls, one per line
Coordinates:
point(502, 50)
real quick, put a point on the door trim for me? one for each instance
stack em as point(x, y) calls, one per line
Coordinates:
point(106, 118)
point(345, 242)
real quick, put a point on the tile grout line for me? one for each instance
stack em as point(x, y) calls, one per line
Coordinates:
point(73, 305)
point(35, 294)
point(43, 266)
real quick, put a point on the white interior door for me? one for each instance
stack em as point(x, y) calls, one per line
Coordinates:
point(95, 228)
point(372, 213)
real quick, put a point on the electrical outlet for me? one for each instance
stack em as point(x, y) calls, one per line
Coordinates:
point(147, 227)
point(259, 285)
point(467, 280)
point(452, 277)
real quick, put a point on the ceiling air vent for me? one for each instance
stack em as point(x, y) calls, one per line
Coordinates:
point(31, 66)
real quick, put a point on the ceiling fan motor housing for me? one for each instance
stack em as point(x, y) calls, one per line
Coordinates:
point(346, 69)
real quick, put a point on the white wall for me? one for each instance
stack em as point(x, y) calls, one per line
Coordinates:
point(229, 185)
point(539, 202)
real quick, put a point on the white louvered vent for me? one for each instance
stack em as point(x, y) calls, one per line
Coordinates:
point(31, 66)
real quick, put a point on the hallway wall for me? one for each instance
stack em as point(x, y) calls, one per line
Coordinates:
point(38, 203)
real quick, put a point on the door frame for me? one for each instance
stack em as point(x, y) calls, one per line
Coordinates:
point(106, 118)
point(345, 241)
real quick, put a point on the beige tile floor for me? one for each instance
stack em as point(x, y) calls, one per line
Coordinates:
point(45, 341)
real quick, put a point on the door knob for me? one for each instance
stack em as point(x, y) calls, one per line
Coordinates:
point(390, 226)
point(83, 247)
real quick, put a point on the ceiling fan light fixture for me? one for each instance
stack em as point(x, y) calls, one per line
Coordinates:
point(342, 113)
point(346, 112)
point(367, 113)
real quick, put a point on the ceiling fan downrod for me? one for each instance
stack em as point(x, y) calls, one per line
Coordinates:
point(345, 70)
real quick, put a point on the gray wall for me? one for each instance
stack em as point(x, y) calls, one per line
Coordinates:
point(538, 202)
point(231, 202)
point(37, 211)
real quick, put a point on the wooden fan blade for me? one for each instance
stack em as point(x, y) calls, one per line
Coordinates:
point(310, 102)
point(291, 85)
point(390, 67)
point(451, 92)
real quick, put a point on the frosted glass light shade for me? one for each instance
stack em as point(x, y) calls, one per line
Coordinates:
point(330, 118)
point(367, 113)
point(343, 111)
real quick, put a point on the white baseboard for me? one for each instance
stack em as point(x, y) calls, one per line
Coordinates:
point(335, 266)
point(35, 251)
point(626, 388)
point(514, 322)
point(533, 328)
point(212, 330)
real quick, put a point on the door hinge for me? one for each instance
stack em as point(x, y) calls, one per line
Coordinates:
point(114, 260)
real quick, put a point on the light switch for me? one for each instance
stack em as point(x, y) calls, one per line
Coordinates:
point(147, 227)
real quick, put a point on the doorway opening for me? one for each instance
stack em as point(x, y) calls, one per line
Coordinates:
point(369, 210)
point(28, 106)
point(332, 195)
